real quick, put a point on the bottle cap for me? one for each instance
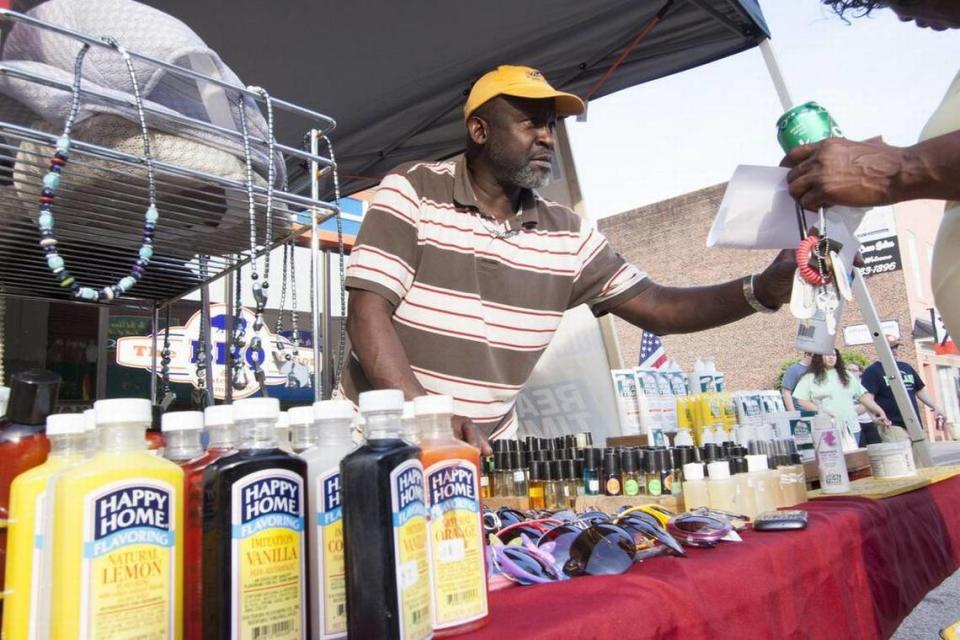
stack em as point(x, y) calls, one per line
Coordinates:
point(33, 396)
point(739, 465)
point(516, 460)
point(757, 462)
point(578, 468)
point(333, 410)
point(409, 412)
point(62, 424)
point(301, 415)
point(218, 415)
point(569, 470)
point(283, 420)
point(795, 458)
point(498, 446)
point(546, 443)
point(611, 463)
point(556, 470)
point(628, 461)
point(120, 410)
point(546, 471)
point(544, 454)
point(91, 417)
point(256, 409)
point(569, 453)
point(683, 455)
point(719, 470)
point(570, 442)
point(650, 461)
point(538, 471)
point(433, 405)
point(693, 471)
point(531, 443)
point(664, 460)
point(591, 459)
point(181, 421)
point(387, 400)
point(512, 444)
point(711, 452)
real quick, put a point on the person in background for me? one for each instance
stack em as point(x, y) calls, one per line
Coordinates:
point(790, 379)
point(872, 173)
point(875, 382)
point(829, 388)
point(869, 434)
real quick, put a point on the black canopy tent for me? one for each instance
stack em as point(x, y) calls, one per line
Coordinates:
point(395, 74)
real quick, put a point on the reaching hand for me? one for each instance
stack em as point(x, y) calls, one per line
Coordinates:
point(464, 429)
point(837, 171)
point(773, 286)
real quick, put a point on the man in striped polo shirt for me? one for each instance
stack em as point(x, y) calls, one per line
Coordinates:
point(461, 272)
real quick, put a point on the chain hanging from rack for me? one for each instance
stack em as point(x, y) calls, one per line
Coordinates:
point(238, 374)
point(200, 398)
point(338, 368)
point(167, 396)
point(259, 288)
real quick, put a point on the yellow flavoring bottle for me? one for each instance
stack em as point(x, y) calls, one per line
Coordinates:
point(118, 535)
point(28, 526)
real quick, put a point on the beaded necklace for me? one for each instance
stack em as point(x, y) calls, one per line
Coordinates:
point(51, 182)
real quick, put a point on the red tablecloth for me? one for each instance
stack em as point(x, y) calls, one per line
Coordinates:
point(855, 572)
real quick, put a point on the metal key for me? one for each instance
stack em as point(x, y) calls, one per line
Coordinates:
point(803, 304)
point(828, 301)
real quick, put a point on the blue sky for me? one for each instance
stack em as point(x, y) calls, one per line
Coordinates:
point(877, 76)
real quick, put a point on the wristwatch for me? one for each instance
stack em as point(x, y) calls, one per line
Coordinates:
point(751, 297)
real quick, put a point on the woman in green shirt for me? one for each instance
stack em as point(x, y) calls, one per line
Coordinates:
point(829, 388)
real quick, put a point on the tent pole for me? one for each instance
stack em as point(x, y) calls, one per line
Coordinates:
point(868, 311)
point(773, 68)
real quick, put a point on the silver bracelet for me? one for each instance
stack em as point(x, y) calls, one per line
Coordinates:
point(751, 297)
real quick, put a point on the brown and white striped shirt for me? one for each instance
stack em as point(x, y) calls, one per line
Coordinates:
point(477, 301)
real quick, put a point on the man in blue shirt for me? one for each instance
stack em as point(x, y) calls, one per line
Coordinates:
point(875, 382)
point(790, 379)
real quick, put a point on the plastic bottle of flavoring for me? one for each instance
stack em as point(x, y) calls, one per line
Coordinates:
point(746, 497)
point(451, 471)
point(721, 487)
point(28, 526)
point(181, 435)
point(331, 420)
point(695, 489)
point(830, 459)
point(303, 431)
point(119, 511)
point(283, 432)
point(793, 481)
point(408, 424)
point(385, 528)
point(90, 430)
point(765, 482)
point(683, 438)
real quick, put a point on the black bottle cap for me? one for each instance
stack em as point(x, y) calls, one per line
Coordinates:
point(538, 471)
point(739, 465)
point(556, 470)
point(516, 460)
point(664, 460)
point(569, 470)
point(513, 445)
point(546, 443)
point(711, 453)
point(650, 461)
point(628, 461)
point(611, 463)
point(33, 396)
point(527, 457)
point(501, 461)
point(578, 468)
point(683, 455)
point(569, 453)
point(740, 451)
point(592, 459)
point(498, 446)
point(570, 442)
point(558, 442)
point(795, 458)
point(531, 443)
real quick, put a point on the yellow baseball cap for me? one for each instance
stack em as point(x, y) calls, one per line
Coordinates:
point(519, 82)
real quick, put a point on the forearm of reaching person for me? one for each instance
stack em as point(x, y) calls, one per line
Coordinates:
point(925, 398)
point(377, 345)
point(810, 406)
point(872, 406)
point(930, 169)
point(788, 399)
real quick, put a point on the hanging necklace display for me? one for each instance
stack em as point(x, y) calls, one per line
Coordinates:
point(297, 375)
point(341, 346)
point(51, 182)
point(200, 398)
point(259, 288)
point(238, 377)
point(167, 396)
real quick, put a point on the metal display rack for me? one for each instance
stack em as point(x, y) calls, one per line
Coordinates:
point(102, 186)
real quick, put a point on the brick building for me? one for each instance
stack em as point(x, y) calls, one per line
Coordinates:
point(668, 240)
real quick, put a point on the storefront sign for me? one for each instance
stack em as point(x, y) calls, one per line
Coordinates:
point(860, 333)
point(275, 356)
point(881, 256)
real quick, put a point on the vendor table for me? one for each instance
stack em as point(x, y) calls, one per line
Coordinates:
point(855, 572)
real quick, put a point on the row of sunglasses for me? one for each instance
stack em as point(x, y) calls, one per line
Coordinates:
point(538, 547)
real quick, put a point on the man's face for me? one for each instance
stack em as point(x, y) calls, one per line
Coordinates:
point(520, 141)
point(938, 15)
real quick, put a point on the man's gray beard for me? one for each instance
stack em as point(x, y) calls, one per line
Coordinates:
point(528, 178)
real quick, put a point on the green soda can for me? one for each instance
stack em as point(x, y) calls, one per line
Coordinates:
point(805, 124)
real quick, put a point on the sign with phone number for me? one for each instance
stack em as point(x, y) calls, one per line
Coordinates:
point(881, 255)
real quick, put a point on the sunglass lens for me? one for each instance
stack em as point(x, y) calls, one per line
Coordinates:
point(601, 550)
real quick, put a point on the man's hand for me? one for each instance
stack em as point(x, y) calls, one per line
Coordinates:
point(837, 171)
point(465, 430)
point(774, 285)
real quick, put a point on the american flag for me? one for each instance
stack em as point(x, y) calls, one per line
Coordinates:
point(652, 355)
